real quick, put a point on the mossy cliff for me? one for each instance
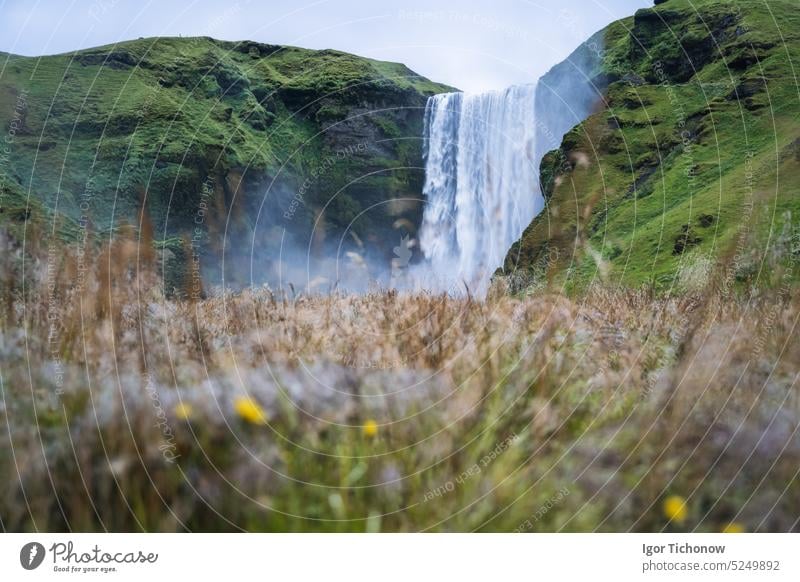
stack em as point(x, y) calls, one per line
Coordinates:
point(689, 165)
point(244, 139)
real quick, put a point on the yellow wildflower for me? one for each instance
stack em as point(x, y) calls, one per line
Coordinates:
point(370, 429)
point(733, 527)
point(675, 508)
point(183, 411)
point(250, 410)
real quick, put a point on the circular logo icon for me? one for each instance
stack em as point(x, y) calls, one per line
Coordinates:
point(31, 555)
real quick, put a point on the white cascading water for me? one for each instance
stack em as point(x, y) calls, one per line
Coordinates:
point(481, 183)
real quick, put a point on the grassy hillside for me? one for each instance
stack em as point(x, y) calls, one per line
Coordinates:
point(257, 136)
point(689, 170)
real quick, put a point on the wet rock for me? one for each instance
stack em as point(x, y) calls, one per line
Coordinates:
point(633, 79)
point(747, 88)
point(705, 220)
point(686, 240)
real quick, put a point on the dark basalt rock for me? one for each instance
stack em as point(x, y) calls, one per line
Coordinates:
point(705, 220)
point(653, 38)
point(253, 49)
point(685, 240)
point(748, 88)
point(633, 79)
point(553, 164)
point(639, 188)
point(116, 59)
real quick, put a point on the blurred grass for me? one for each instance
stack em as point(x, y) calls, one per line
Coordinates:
point(259, 411)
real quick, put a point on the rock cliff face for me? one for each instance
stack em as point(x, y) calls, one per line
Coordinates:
point(247, 142)
point(687, 168)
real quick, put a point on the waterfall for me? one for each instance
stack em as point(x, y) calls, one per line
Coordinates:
point(481, 182)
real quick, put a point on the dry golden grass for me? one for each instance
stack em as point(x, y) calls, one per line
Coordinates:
point(124, 410)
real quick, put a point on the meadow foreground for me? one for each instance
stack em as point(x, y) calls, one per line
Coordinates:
point(262, 411)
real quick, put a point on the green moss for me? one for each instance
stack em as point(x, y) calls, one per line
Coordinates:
point(158, 119)
point(703, 133)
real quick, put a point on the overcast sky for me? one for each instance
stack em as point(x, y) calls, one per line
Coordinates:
point(470, 44)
